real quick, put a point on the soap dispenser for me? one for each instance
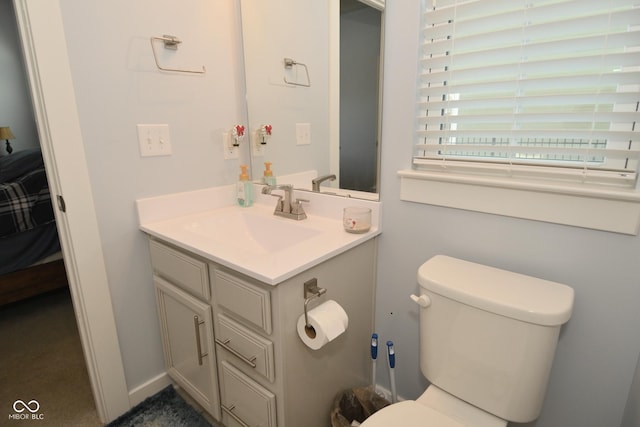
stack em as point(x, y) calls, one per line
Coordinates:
point(244, 188)
point(268, 177)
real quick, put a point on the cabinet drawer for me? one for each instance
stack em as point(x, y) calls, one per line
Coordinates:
point(245, 402)
point(248, 348)
point(244, 300)
point(189, 273)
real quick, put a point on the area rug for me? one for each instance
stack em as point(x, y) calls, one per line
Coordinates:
point(164, 409)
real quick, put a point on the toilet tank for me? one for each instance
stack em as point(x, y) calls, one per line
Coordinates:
point(489, 335)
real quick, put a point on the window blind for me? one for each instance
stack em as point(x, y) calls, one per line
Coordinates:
point(533, 88)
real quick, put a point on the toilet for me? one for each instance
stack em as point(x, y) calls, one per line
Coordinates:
point(487, 342)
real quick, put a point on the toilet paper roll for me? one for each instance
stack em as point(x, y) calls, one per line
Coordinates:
point(327, 322)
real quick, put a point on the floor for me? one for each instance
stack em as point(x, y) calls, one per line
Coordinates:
point(43, 377)
point(43, 374)
point(198, 408)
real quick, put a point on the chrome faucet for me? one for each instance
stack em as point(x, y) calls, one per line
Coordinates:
point(284, 206)
point(315, 182)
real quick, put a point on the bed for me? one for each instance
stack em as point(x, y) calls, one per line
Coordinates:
point(30, 258)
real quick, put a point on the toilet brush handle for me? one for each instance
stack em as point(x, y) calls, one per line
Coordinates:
point(374, 346)
point(374, 356)
point(391, 353)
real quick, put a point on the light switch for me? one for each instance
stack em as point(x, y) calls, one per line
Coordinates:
point(154, 140)
point(303, 133)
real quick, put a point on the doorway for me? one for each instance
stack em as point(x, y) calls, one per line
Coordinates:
point(43, 42)
point(42, 358)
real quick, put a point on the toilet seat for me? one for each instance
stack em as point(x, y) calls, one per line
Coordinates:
point(409, 413)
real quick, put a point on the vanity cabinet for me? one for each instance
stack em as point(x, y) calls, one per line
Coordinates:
point(249, 350)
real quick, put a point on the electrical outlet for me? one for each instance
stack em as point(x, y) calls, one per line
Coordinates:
point(303, 133)
point(230, 151)
point(154, 140)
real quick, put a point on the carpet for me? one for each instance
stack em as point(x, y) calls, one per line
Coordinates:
point(164, 409)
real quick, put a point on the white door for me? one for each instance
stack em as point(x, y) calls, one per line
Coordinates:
point(43, 42)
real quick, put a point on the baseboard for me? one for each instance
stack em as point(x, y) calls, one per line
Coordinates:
point(148, 388)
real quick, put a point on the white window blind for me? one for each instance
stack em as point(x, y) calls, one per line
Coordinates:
point(531, 88)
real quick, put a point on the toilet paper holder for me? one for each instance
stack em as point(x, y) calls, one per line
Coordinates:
point(311, 291)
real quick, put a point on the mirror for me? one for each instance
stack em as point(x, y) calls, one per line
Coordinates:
point(313, 79)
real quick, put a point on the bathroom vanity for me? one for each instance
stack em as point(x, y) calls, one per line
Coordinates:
point(228, 311)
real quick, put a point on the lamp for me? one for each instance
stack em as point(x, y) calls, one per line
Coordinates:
point(6, 134)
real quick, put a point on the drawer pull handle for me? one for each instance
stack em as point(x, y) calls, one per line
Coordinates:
point(225, 344)
point(234, 416)
point(196, 324)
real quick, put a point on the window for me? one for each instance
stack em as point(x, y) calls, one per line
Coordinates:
point(532, 83)
point(538, 91)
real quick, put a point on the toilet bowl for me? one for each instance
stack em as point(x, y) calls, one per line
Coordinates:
point(435, 408)
point(487, 341)
point(410, 413)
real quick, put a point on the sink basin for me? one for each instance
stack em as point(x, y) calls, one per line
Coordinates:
point(252, 231)
point(252, 241)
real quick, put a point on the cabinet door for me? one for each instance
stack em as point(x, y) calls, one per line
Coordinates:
point(187, 337)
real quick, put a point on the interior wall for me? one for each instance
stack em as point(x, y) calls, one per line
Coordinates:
point(16, 109)
point(599, 347)
point(632, 410)
point(118, 86)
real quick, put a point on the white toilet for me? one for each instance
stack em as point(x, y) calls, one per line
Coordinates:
point(487, 341)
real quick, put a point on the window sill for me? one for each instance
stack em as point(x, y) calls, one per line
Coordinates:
point(612, 210)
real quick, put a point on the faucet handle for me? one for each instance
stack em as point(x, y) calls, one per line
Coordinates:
point(279, 205)
point(279, 202)
point(296, 208)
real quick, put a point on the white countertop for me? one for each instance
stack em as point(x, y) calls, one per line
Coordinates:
point(199, 222)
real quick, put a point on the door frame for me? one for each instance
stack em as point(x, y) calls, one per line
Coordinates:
point(43, 42)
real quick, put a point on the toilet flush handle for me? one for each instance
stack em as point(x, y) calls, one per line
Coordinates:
point(423, 300)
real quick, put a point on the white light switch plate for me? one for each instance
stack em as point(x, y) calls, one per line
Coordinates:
point(154, 140)
point(303, 133)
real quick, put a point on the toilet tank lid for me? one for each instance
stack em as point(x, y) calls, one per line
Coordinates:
point(498, 291)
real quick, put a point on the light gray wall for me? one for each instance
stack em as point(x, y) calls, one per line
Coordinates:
point(16, 110)
point(598, 348)
point(632, 410)
point(118, 86)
